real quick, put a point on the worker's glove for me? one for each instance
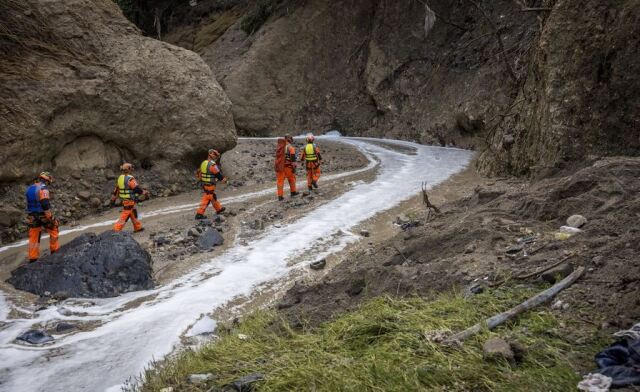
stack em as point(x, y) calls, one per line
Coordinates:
point(225, 180)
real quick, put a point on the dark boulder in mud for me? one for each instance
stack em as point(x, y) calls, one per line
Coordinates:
point(91, 265)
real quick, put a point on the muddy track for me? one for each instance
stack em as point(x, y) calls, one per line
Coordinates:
point(267, 243)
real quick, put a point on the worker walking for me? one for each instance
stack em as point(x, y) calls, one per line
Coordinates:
point(312, 160)
point(40, 215)
point(285, 165)
point(209, 173)
point(128, 190)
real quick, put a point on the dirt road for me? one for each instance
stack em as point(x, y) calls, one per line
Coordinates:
point(268, 243)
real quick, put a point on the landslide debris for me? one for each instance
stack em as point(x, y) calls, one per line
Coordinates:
point(90, 266)
point(507, 233)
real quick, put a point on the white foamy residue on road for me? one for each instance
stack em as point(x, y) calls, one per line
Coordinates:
point(103, 358)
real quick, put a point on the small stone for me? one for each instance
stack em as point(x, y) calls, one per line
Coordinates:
point(318, 265)
point(243, 384)
point(84, 195)
point(498, 349)
point(64, 327)
point(34, 336)
point(95, 202)
point(210, 239)
point(558, 273)
point(598, 261)
point(200, 378)
point(167, 389)
point(576, 221)
point(470, 248)
point(514, 250)
point(557, 305)
point(242, 336)
point(193, 232)
point(365, 233)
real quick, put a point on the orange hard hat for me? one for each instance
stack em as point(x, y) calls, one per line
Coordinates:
point(126, 167)
point(45, 176)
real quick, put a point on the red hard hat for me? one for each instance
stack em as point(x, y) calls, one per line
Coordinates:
point(46, 176)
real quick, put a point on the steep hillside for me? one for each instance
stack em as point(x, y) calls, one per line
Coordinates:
point(430, 73)
point(531, 83)
point(581, 98)
point(82, 88)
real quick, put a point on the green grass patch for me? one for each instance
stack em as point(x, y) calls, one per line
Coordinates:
point(382, 347)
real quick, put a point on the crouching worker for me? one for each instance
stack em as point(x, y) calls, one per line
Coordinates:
point(128, 190)
point(40, 215)
point(209, 174)
point(312, 160)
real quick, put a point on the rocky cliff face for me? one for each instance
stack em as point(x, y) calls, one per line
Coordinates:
point(399, 69)
point(558, 85)
point(82, 88)
point(581, 98)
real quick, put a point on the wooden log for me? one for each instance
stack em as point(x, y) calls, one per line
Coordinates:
point(499, 319)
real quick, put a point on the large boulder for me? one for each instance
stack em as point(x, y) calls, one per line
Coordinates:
point(82, 88)
point(91, 265)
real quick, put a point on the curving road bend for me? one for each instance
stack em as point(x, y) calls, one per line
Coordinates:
point(128, 338)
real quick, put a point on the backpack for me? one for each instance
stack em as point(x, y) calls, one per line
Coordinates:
point(279, 163)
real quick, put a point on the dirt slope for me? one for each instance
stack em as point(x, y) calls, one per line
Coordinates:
point(467, 244)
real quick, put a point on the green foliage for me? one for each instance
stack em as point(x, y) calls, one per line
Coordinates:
point(384, 346)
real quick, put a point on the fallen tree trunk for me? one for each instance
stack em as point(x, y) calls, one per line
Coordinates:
point(531, 303)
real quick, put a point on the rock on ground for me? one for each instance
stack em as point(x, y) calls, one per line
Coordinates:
point(91, 265)
point(496, 349)
point(210, 239)
point(576, 221)
point(82, 88)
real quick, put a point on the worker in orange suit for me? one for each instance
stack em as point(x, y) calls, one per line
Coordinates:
point(286, 163)
point(312, 160)
point(40, 215)
point(128, 190)
point(209, 174)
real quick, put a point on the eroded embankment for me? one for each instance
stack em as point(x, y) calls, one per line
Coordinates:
point(344, 333)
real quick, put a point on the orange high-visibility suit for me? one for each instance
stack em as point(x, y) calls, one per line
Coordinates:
point(209, 173)
point(127, 189)
point(39, 209)
point(312, 159)
point(289, 171)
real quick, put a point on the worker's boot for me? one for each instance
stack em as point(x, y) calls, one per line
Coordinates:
point(220, 211)
point(293, 194)
point(315, 184)
point(32, 260)
point(200, 217)
point(280, 198)
point(139, 230)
